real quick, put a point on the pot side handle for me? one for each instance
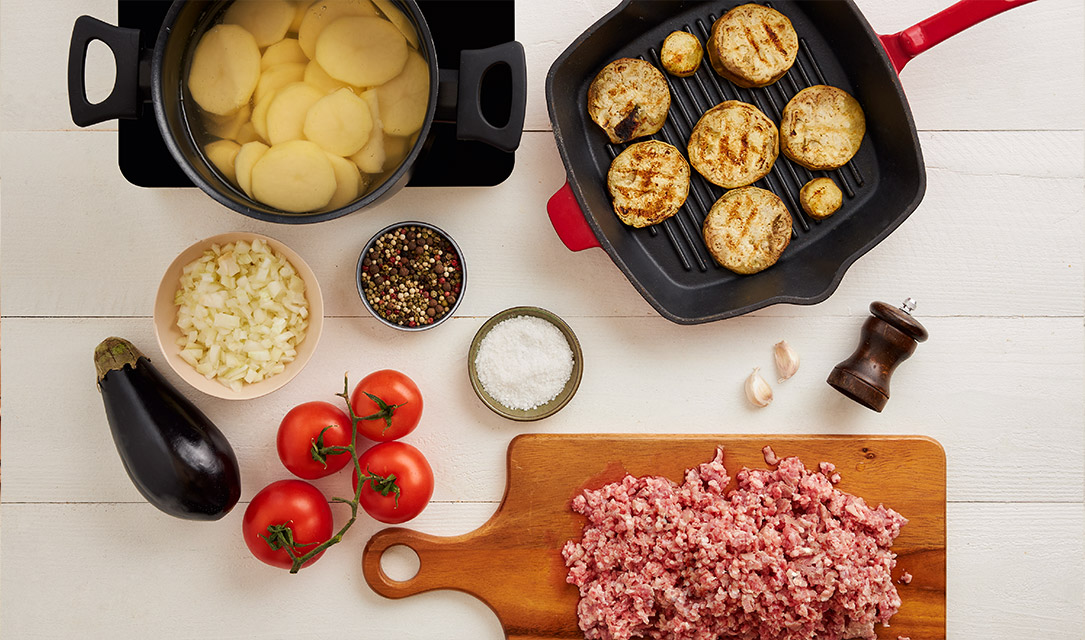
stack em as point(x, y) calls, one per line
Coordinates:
point(471, 124)
point(568, 220)
point(909, 43)
point(124, 101)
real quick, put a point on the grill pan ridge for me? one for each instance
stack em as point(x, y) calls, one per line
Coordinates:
point(669, 263)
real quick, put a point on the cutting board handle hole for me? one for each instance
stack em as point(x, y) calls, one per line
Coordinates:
point(400, 563)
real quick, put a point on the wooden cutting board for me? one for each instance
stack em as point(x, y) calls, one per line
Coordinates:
point(513, 562)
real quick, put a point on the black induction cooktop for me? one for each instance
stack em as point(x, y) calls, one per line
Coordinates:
point(447, 162)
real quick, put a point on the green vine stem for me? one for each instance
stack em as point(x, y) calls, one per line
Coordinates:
point(280, 536)
point(384, 412)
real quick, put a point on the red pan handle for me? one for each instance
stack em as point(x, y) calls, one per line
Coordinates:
point(911, 42)
point(569, 222)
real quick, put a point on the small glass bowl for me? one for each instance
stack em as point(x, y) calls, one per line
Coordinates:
point(462, 268)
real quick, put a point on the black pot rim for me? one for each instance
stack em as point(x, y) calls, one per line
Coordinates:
point(392, 183)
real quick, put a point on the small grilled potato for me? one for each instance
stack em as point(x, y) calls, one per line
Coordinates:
point(820, 198)
point(648, 182)
point(629, 98)
point(747, 229)
point(681, 54)
point(822, 127)
point(733, 144)
point(752, 45)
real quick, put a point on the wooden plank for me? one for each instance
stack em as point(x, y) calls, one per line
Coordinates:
point(126, 571)
point(966, 82)
point(983, 389)
point(513, 563)
point(960, 84)
point(984, 207)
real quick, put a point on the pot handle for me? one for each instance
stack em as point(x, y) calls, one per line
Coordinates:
point(124, 101)
point(909, 43)
point(471, 124)
point(569, 222)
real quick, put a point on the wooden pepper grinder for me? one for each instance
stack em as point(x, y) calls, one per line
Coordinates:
point(887, 338)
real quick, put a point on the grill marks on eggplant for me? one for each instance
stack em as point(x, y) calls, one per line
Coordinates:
point(752, 45)
point(734, 144)
point(628, 99)
point(747, 229)
point(648, 182)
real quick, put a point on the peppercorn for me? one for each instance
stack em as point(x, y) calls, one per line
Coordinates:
point(410, 276)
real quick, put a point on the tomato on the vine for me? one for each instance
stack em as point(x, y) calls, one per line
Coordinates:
point(305, 430)
point(397, 482)
point(300, 514)
point(391, 404)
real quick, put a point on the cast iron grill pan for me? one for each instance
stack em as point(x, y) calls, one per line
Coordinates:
point(669, 263)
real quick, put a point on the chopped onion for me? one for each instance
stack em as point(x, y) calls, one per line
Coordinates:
point(242, 312)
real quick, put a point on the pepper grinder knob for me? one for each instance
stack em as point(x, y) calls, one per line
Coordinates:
point(886, 339)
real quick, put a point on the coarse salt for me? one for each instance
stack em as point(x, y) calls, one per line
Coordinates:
point(524, 362)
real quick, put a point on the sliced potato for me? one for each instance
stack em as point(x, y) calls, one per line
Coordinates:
point(320, 79)
point(370, 158)
point(266, 20)
point(396, 149)
point(294, 176)
point(402, 22)
point(221, 153)
point(278, 76)
point(246, 134)
point(405, 98)
point(246, 159)
point(300, 8)
point(339, 122)
point(362, 51)
point(283, 51)
point(259, 115)
point(321, 14)
point(286, 113)
point(227, 126)
point(225, 69)
point(348, 182)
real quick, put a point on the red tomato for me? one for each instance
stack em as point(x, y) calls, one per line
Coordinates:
point(296, 504)
point(301, 428)
point(398, 410)
point(406, 494)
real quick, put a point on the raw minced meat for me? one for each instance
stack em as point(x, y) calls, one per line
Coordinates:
point(784, 556)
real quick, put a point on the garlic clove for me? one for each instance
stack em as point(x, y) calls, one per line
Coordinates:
point(758, 392)
point(787, 361)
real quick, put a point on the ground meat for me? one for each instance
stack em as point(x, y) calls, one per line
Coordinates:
point(784, 556)
point(905, 578)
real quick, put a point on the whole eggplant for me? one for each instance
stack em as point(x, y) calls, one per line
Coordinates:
point(176, 457)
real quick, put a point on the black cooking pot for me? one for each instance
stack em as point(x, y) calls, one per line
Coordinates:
point(157, 74)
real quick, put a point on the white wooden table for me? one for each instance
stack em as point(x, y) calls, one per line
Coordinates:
point(994, 255)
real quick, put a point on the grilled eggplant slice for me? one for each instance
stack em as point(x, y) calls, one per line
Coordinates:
point(752, 45)
point(747, 229)
point(649, 182)
point(629, 98)
point(733, 144)
point(822, 127)
point(173, 453)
